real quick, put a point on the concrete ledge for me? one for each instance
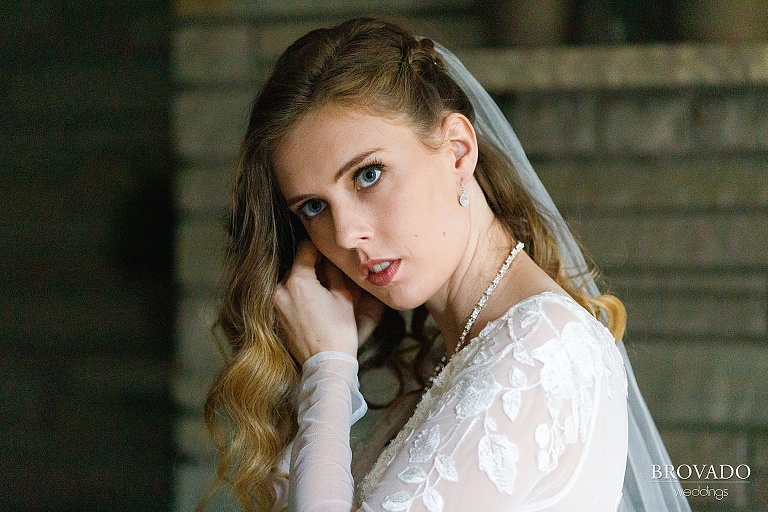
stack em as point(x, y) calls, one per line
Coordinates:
point(714, 241)
point(200, 251)
point(206, 188)
point(508, 71)
point(206, 9)
point(697, 306)
point(197, 352)
point(209, 125)
point(221, 54)
point(703, 382)
point(623, 186)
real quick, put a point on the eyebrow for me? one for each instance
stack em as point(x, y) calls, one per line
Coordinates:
point(351, 163)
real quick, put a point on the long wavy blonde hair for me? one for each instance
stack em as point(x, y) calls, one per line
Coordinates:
point(366, 63)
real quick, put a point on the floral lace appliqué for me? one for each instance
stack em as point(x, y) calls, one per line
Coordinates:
point(566, 367)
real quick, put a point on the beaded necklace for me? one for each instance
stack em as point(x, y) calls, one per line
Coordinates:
point(478, 307)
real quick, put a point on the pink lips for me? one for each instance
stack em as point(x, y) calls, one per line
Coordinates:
point(384, 276)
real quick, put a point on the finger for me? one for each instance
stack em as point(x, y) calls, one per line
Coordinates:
point(306, 255)
point(280, 297)
point(336, 279)
point(283, 304)
point(368, 313)
point(365, 327)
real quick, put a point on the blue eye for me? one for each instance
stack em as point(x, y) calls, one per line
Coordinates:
point(312, 207)
point(368, 176)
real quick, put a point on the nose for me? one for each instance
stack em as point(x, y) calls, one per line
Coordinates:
point(351, 226)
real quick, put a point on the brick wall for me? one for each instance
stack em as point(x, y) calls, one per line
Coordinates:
point(656, 154)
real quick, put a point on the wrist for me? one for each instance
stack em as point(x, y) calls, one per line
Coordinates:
point(306, 347)
point(328, 355)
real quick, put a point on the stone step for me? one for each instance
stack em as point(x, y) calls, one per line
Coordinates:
point(670, 122)
point(209, 125)
point(682, 238)
point(190, 391)
point(624, 186)
point(704, 382)
point(199, 353)
point(192, 481)
point(214, 56)
point(618, 68)
point(720, 384)
point(197, 10)
point(204, 190)
point(654, 240)
point(200, 246)
point(713, 307)
point(729, 309)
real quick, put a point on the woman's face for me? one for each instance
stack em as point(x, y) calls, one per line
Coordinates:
point(377, 201)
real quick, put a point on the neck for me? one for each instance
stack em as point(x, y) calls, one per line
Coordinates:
point(489, 245)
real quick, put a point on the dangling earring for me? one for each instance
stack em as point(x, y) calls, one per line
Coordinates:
point(463, 198)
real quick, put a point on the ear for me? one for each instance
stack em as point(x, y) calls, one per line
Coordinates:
point(460, 135)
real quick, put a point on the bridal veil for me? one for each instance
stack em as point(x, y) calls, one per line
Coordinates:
point(641, 492)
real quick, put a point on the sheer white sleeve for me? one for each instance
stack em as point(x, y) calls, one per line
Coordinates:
point(329, 403)
point(529, 416)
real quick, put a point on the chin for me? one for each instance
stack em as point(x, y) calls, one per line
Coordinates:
point(403, 302)
point(402, 307)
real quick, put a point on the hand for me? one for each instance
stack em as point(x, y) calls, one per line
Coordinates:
point(368, 311)
point(320, 309)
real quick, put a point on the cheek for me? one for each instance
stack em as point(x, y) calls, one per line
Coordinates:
point(423, 205)
point(436, 215)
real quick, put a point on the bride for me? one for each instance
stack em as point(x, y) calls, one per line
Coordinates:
point(377, 176)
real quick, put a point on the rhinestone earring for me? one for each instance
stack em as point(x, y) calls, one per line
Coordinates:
point(463, 198)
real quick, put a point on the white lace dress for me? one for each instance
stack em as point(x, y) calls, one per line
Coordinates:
point(530, 415)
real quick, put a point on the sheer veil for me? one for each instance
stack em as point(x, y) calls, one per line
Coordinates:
point(646, 448)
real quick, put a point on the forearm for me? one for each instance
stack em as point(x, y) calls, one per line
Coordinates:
point(329, 403)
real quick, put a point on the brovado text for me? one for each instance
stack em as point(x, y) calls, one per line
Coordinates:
point(721, 472)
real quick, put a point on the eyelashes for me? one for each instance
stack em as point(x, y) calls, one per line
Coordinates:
point(311, 208)
point(368, 175)
point(365, 177)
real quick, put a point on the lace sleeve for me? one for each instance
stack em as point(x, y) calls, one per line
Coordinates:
point(530, 416)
